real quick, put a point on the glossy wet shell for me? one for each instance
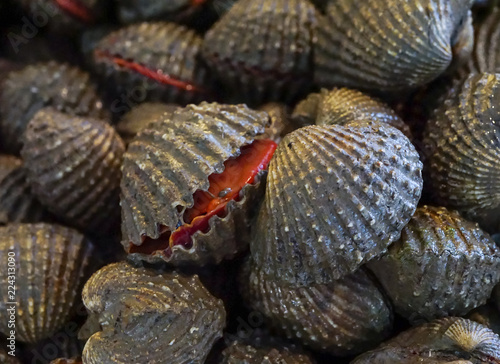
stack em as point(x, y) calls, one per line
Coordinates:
point(280, 121)
point(73, 165)
point(341, 106)
point(17, 202)
point(25, 92)
point(390, 45)
point(443, 265)
point(144, 314)
point(51, 264)
point(462, 149)
point(336, 197)
point(262, 50)
point(139, 117)
point(486, 56)
point(346, 317)
point(239, 353)
point(162, 48)
point(173, 158)
point(441, 341)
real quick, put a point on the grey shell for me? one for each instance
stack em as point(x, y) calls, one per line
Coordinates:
point(336, 197)
point(144, 314)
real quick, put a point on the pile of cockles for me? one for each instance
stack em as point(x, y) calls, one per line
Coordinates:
point(250, 181)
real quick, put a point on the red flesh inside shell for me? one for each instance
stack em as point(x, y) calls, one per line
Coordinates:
point(224, 187)
point(76, 9)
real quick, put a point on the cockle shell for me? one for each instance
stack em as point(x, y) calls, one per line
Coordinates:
point(51, 263)
point(391, 45)
point(346, 317)
point(449, 340)
point(168, 162)
point(153, 62)
point(336, 197)
point(462, 150)
point(61, 86)
point(341, 106)
point(262, 50)
point(443, 265)
point(140, 116)
point(239, 353)
point(486, 55)
point(146, 317)
point(487, 315)
point(280, 124)
point(73, 164)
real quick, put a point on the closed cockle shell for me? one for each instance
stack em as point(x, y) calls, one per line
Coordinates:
point(152, 62)
point(336, 197)
point(443, 265)
point(24, 92)
point(140, 116)
point(346, 317)
point(147, 317)
point(462, 150)
point(73, 164)
point(190, 182)
point(239, 353)
point(448, 340)
point(279, 118)
point(51, 263)
point(341, 106)
point(262, 50)
point(389, 45)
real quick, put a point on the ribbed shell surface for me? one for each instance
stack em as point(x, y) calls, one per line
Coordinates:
point(448, 340)
point(346, 317)
point(487, 315)
point(17, 202)
point(263, 49)
point(164, 49)
point(336, 197)
point(51, 263)
point(148, 317)
point(443, 265)
point(341, 106)
point(239, 353)
point(486, 56)
point(170, 160)
point(389, 45)
point(462, 149)
point(73, 164)
point(24, 92)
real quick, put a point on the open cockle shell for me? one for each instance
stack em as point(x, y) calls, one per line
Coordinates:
point(51, 264)
point(346, 317)
point(73, 164)
point(448, 340)
point(443, 265)
point(390, 45)
point(25, 92)
point(262, 50)
point(462, 150)
point(143, 316)
point(336, 197)
point(152, 62)
point(168, 162)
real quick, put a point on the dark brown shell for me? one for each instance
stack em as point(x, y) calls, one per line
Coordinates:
point(449, 340)
point(239, 353)
point(262, 50)
point(25, 92)
point(149, 317)
point(73, 164)
point(134, 58)
point(443, 265)
point(8, 163)
point(279, 118)
point(140, 116)
point(51, 264)
point(384, 45)
point(173, 158)
point(462, 149)
point(486, 56)
point(342, 106)
point(346, 317)
point(336, 197)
